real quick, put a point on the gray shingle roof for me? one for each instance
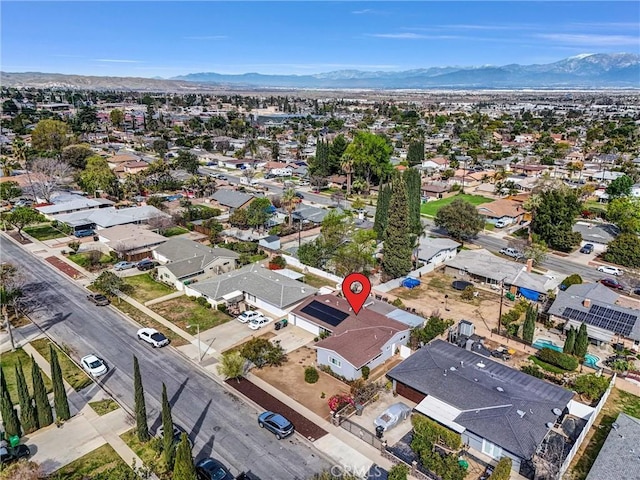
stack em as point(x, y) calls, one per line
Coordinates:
point(187, 257)
point(486, 411)
point(620, 455)
point(231, 198)
point(432, 246)
point(597, 233)
point(110, 216)
point(260, 282)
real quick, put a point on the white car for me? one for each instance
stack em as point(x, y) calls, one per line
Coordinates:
point(257, 323)
point(152, 336)
point(610, 270)
point(93, 365)
point(249, 316)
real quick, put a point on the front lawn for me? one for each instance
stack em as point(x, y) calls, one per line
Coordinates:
point(145, 320)
point(183, 311)
point(8, 361)
point(83, 259)
point(102, 407)
point(618, 401)
point(44, 231)
point(103, 462)
point(145, 288)
point(148, 452)
point(173, 231)
point(70, 371)
point(431, 208)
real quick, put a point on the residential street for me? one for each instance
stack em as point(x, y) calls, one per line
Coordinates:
point(220, 424)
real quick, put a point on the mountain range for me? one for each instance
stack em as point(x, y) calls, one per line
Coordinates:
point(618, 70)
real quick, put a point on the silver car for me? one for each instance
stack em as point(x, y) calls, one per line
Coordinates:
point(392, 416)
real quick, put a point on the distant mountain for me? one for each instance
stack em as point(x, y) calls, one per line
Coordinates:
point(620, 70)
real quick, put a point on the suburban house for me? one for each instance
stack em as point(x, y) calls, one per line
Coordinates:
point(254, 285)
point(599, 234)
point(109, 217)
point(130, 241)
point(606, 313)
point(233, 163)
point(503, 209)
point(69, 203)
point(496, 409)
point(367, 339)
point(434, 191)
point(616, 459)
point(484, 267)
point(272, 242)
point(120, 159)
point(436, 250)
point(232, 199)
point(438, 163)
point(183, 261)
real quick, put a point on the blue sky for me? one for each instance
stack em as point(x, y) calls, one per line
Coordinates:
point(165, 39)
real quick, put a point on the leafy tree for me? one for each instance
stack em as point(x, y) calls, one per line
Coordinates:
point(168, 446)
point(184, 468)
point(9, 190)
point(415, 153)
point(258, 212)
point(371, 156)
point(624, 212)
point(59, 392)
point(117, 117)
point(311, 253)
point(536, 252)
point(261, 352)
point(396, 261)
point(22, 217)
point(573, 279)
point(98, 176)
point(582, 342)
point(502, 470)
point(215, 228)
point(50, 136)
point(109, 283)
point(624, 250)
point(160, 146)
point(43, 407)
point(398, 472)
point(239, 218)
point(570, 342)
point(8, 165)
point(187, 161)
point(620, 187)
point(76, 155)
point(591, 385)
point(28, 415)
point(142, 428)
point(382, 211)
point(529, 325)
point(414, 187)
point(357, 254)
point(461, 219)
point(289, 201)
point(554, 219)
point(232, 365)
point(9, 415)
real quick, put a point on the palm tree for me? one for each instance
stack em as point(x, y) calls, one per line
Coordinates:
point(21, 154)
point(347, 167)
point(289, 201)
point(7, 165)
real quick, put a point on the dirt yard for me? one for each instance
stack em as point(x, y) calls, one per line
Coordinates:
point(289, 379)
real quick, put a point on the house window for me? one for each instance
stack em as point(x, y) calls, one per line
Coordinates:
point(335, 362)
point(491, 449)
point(251, 298)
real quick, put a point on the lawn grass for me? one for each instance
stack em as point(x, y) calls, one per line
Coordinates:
point(183, 311)
point(8, 360)
point(431, 208)
point(145, 288)
point(145, 320)
point(82, 259)
point(148, 453)
point(70, 371)
point(546, 366)
point(101, 461)
point(102, 407)
point(44, 231)
point(173, 231)
point(489, 226)
point(313, 280)
point(618, 401)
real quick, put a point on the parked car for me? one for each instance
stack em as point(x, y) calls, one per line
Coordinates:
point(152, 336)
point(392, 416)
point(146, 264)
point(249, 315)
point(177, 434)
point(83, 233)
point(610, 270)
point(259, 322)
point(93, 365)
point(511, 252)
point(587, 248)
point(612, 283)
point(299, 195)
point(13, 454)
point(124, 266)
point(98, 299)
point(247, 476)
point(211, 469)
point(276, 424)
point(502, 223)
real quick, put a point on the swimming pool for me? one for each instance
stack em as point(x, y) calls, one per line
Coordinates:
point(590, 360)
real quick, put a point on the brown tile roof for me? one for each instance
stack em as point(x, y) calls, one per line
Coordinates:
point(123, 158)
point(501, 208)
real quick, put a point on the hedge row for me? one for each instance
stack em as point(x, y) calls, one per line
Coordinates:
point(559, 359)
point(435, 433)
point(502, 470)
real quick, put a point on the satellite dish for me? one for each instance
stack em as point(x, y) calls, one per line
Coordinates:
point(557, 412)
point(549, 424)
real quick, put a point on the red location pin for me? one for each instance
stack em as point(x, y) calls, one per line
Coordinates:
point(356, 288)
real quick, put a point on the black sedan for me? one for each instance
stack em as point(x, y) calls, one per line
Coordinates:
point(13, 454)
point(211, 469)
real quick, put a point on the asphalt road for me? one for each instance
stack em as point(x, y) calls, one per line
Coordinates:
point(220, 424)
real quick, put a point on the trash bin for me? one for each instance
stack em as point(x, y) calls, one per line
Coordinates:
point(277, 325)
point(359, 409)
point(510, 296)
point(379, 431)
point(463, 463)
point(14, 440)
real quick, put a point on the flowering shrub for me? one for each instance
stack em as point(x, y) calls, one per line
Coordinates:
point(338, 401)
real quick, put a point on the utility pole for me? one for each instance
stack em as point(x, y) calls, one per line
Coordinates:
point(501, 300)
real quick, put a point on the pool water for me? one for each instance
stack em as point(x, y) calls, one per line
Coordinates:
point(590, 360)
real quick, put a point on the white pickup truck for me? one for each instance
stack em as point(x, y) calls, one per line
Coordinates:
point(512, 252)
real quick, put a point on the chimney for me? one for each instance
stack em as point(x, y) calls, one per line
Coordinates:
point(586, 302)
point(529, 265)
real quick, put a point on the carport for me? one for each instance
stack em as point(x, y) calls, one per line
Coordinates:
point(233, 298)
point(441, 412)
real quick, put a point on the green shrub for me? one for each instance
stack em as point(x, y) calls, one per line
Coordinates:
point(430, 431)
point(365, 372)
point(399, 472)
point(502, 470)
point(203, 301)
point(559, 359)
point(533, 371)
point(468, 293)
point(591, 386)
point(574, 279)
point(397, 303)
point(74, 246)
point(278, 261)
point(222, 308)
point(311, 375)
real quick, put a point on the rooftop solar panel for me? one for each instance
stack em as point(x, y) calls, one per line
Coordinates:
point(325, 313)
point(604, 317)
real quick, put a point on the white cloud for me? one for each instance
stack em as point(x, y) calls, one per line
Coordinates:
point(206, 37)
point(115, 60)
point(413, 36)
point(588, 39)
point(368, 11)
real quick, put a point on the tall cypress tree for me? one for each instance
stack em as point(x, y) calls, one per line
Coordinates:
point(59, 393)
point(413, 182)
point(9, 415)
point(43, 407)
point(168, 450)
point(529, 325)
point(142, 427)
point(570, 343)
point(382, 211)
point(415, 153)
point(184, 468)
point(582, 342)
point(398, 247)
point(28, 415)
